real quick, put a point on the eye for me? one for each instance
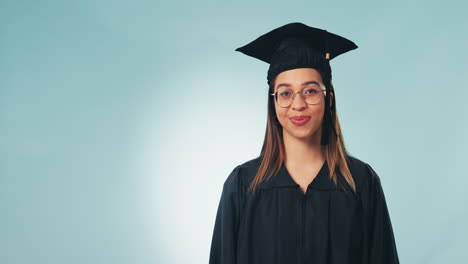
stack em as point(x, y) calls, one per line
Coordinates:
point(284, 93)
point(311, 91)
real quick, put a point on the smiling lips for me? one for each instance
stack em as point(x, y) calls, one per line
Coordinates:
point(299, 120)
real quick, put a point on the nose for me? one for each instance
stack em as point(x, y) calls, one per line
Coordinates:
point(298, 102)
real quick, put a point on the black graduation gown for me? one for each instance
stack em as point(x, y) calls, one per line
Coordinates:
point(279, 224)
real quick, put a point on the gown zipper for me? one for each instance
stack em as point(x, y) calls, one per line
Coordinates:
point(303, 201)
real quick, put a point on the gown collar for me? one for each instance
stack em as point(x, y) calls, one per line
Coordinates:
point(283, 179)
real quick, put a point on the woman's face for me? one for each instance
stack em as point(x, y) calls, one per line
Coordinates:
point(294, 79)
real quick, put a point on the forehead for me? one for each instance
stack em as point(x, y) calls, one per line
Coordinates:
point(298, 77)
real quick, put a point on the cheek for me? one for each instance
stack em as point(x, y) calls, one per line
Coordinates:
point(318, 113)
point(281, 113)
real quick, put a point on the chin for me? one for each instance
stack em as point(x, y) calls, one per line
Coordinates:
point(305, 134)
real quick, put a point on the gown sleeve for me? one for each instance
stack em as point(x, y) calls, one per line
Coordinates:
point(224, 240)
point(379, 246)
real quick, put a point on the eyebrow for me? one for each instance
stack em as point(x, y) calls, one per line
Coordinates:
point(303, 84)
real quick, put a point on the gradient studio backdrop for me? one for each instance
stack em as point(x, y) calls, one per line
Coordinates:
point(120, 121)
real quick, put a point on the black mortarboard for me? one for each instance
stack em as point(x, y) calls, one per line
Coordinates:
point(296, 45)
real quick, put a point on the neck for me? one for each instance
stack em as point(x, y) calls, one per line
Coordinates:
point(303, 151)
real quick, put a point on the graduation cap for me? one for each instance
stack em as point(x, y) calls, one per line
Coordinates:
point(296, 45)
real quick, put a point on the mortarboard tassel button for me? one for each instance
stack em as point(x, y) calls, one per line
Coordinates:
point(327, 56)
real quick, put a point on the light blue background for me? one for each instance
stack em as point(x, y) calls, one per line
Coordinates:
point(120, 120)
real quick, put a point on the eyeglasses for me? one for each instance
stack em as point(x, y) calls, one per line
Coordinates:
point(311, 95)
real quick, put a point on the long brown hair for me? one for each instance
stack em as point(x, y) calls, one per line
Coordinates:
point(273, 153)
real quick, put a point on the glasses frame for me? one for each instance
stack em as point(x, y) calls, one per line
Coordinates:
point(322, 88)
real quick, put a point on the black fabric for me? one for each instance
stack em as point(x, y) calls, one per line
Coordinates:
point(279, 224)
point(296, 45)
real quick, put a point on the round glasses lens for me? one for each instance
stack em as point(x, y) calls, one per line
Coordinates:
point(310, 94)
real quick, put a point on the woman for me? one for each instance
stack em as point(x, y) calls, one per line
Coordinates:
point(304, 199)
